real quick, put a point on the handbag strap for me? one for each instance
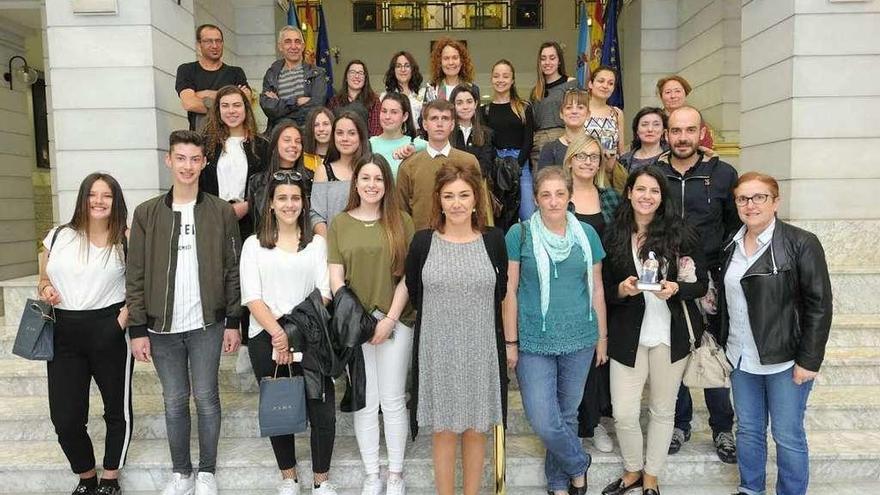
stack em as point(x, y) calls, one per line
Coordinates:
point(687, 318)
point(289, 369)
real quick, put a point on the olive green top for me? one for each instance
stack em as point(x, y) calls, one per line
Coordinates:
point(362, 249)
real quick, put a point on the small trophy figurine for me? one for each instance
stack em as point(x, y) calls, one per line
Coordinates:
point(649, 279)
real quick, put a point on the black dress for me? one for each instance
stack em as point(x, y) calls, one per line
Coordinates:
point(596, 402)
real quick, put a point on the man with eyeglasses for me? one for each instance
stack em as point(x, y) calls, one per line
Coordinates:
point(702, 193)
point(197, 82)
point(292, 86)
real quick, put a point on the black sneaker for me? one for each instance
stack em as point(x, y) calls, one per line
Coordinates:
point(725, 447)
point(679, 437)
point(108, 490)
point(651, 491)
point(83, 490)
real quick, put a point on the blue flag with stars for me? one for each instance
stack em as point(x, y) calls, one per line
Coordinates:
point(611, 52)
point(323, 56)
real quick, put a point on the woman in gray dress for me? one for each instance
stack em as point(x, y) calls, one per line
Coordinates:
point(456, 275)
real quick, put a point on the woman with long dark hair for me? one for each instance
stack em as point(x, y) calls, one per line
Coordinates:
point(367, 245)
point(469, 134)
point(281, 265)
point(399, 138)
point(648, 144)
point(285, 153)
point(355, 95)
point(234, 152)
point(510, 118)
point(82, 275)
point(403, 76)
point(648, 337)
point(316, 137)
point(332, 183)
point(551, 83)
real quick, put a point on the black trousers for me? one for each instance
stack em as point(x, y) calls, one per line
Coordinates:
point(90, 344)
point(597, 399)
point(322, 414)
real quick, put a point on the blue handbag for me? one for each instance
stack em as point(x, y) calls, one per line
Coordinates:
point(282, 405)
point(36, 332)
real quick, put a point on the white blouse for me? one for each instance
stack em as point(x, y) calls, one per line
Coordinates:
point(86, 276)
point(282, 279)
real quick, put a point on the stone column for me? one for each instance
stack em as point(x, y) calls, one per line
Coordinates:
point(112, 93)
point(809, 103)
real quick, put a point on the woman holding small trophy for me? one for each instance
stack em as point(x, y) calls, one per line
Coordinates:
point(653, 275)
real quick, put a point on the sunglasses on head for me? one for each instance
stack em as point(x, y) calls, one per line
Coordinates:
point(287, 175)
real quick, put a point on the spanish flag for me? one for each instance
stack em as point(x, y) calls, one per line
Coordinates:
point(597, 35)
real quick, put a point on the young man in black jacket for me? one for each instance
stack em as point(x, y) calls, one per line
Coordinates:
point(703, 194)
point(182, 291)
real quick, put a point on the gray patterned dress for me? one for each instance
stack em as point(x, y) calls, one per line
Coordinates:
point(458, 360)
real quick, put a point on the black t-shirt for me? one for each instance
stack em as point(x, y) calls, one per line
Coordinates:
point(192, 76)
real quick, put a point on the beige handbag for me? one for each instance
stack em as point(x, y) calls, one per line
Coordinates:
point(707, 365)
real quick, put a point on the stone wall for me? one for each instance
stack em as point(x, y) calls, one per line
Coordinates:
point(17, 229)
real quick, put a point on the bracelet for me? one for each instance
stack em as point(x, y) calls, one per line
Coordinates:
point(511, 342)
point(603, 338)
point(390, 318)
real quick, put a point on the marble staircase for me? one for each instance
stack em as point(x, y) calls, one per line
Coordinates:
point(843, 423)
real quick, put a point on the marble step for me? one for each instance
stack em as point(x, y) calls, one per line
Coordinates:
point(855, 290)
point(27, 417)
point(842, 366)
point(29, 467)
point(668, 489)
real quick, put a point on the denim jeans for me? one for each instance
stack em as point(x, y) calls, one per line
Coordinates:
point(526, 193)
point(552, 388)
point(177, 356)
point(718, 403)
point(756, 397)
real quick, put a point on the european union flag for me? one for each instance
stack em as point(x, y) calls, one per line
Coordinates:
point(323, 57)
point(611, 52)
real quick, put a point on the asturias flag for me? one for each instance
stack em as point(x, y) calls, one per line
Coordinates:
point(611, 52)
point(583, 48)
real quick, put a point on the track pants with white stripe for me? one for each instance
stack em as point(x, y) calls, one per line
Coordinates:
point(90, 344)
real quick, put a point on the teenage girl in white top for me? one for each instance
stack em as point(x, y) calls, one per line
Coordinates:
point(82, 275)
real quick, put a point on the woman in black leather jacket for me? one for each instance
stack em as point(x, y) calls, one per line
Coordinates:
point(775, 308)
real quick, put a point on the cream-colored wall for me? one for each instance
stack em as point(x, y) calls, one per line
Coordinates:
point(17, 229)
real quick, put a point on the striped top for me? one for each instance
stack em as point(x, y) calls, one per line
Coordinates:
point(291, 82)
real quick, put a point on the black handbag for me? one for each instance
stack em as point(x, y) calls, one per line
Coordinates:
point(282, 405)
point(36, 332)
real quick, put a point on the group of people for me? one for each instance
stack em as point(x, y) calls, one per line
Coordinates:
point(374, 240)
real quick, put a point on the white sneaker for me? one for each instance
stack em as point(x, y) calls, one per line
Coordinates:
point(372, 485)
point(288, 487)
point(326, 488)
point(601, 440)
point(243, 362)
point(395, 486)
point(206, 484)
point(178, 485)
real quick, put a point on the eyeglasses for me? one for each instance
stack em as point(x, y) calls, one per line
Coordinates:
point(285, 175)
point(211, 41)
point(358, 73)
point(402, 66)
point(757, 199)
point(583, 157)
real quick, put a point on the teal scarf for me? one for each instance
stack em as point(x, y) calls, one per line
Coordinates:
point(548, 247)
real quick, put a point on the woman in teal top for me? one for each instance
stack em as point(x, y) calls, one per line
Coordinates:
point(398, 139)
point(554, 320)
